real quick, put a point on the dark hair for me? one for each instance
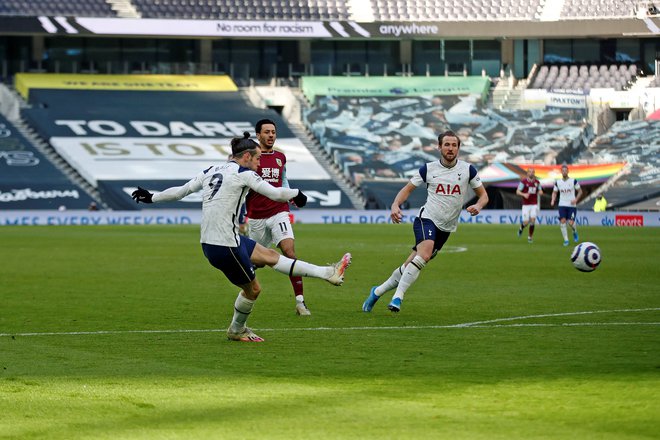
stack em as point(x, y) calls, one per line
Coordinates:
point(449, 133)
point(241, 145)
point(262, 122)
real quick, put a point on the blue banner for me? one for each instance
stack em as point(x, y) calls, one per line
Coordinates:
point(20, 162)
point(111, 113)
point(43, 196)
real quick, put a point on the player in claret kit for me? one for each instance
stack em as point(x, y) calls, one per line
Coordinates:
point(268, 220)
point(224, 188)
point(446, 181)
point(529, 189)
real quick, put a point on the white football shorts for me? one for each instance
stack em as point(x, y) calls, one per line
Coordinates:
point(529, 211)
point(270, 231)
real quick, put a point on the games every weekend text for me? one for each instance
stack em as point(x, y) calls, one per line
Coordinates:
point(312, 216)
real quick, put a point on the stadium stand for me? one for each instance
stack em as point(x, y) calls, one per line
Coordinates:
point(381, 10)
point(579, 9)
point(434, 10)
point(28, 180)
point(81, 8)
point(375, 140)
point(244, 9)
point(636, 142)
point(584, 77)
point(158, 139)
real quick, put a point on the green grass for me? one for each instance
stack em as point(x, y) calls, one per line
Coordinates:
point(340, 373)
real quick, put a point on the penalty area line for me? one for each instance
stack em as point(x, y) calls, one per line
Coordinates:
point(493, 323)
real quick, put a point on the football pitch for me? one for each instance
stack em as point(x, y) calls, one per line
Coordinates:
point(119, 333)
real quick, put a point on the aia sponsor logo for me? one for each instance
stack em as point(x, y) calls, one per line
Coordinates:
point(448, 189)
point(629, 220)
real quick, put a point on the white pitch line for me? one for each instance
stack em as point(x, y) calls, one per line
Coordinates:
point(476, 324)
point(550, 315)
point(565, 324)
point(113, 332)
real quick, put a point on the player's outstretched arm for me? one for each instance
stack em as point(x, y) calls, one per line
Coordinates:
point(169, 195)
point(273, 193)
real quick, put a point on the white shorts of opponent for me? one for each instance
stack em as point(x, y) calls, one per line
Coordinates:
point(529, 212)
point(270, 231)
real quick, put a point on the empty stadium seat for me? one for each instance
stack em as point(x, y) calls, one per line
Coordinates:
point(581, 9)
point(81, 8)
point(432, 10)
point(243, 9)
point(584, 77)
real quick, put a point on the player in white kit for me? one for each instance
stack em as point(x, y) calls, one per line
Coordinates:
point(447, 181)
point(224, 188)
point(569, 193)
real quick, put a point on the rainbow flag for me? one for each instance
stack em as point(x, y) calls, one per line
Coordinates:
point(509, 174)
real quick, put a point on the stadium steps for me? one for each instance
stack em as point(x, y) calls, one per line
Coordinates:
point(514, 101)
point(361, 11)
point(508, 94)
point(499, 95)
point(514, 97)
point(49, 152)
point(551, 10)
point(642, 82)
point(293, 119)
point(292, 115)
point(124, 8)
point(587, 202)
point(353, 192)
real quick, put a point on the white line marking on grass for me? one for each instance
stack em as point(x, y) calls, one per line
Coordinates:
point(565, 324)
point(452, 249)
point(477, 324)
point(114, 332)
point(550, 315)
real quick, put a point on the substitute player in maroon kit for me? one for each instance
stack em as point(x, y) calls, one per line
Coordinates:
point(529, 189)
point(268, 221)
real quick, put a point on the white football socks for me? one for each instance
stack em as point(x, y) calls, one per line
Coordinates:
point(391, 282)
point(563, 231)
point(300, 268)
point(409, 276)
point(242, 309)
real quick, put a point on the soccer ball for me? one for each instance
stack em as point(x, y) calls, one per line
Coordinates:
point(586, 257)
